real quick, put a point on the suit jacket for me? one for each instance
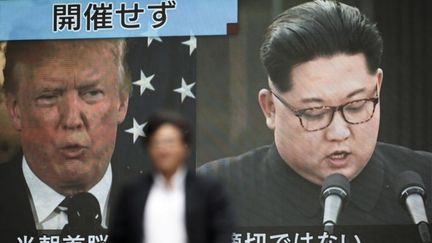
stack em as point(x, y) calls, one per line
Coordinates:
point(281, 197)
point(208, 215)
point(16, 216)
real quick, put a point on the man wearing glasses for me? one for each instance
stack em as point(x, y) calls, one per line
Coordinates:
point(322, 60)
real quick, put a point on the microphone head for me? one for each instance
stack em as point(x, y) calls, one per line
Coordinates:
point(335, 184)
point(84, 210)
point(409, 182)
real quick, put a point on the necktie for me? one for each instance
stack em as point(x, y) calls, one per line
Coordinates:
point(84, 215)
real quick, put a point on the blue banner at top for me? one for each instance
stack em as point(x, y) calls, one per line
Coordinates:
point(75, 19)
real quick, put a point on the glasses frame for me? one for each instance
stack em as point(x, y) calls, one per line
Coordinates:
point(299, 112)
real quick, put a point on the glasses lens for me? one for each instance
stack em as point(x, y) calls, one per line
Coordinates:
point(316, 118)
point(359, 111)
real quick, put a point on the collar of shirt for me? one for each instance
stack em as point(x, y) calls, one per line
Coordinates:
point(177, 180)
point(46, 200)
point(365, 188)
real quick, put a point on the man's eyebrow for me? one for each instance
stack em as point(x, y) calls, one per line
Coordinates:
point(50, 89)
point(311, 100)
point(319, 100)
point(88, 85)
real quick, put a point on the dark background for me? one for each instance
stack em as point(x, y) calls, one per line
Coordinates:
point(229, 74)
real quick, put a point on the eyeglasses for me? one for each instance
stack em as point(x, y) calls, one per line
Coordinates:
point(318, 118)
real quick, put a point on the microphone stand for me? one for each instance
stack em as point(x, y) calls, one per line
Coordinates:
point(423, 229)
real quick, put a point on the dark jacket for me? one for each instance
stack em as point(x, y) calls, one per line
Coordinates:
point(267, 192)
point(208, 216)
point(16, 216)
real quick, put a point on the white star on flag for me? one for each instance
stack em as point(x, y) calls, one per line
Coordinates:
point(136, 130)
point(144, 82)
point(185, 90)
point(150, 39)
point(192, 43)
point(152, 35)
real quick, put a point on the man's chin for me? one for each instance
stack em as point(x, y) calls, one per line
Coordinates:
point(75, 179)
point(72, 168)
point(76, 173)
point(71, 185)
point(348, 172)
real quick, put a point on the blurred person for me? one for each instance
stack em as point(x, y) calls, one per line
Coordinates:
point(323, 106)
point(170, 204)
point(65, 98)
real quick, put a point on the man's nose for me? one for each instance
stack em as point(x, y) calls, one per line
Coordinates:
point(72, 116)
point(339, 129)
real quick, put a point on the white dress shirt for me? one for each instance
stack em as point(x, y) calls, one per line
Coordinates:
point(164, 214)
point(45, 201)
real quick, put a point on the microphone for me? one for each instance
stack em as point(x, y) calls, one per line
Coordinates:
point(335, 192)
point(84, 214)
point(411, 193)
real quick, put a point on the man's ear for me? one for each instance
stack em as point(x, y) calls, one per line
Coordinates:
point(123, 106)
point(14, 111)
point(265, 99)
point(379, 78)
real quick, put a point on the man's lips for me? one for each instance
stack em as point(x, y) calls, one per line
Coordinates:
point(338, 158)
point(73, 151)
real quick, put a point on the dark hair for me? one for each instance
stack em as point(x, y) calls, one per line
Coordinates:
point(32, 52)
point(161, 118)
point(317, 29)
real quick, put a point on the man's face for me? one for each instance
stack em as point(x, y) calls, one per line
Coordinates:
point(167, 149)
point(341, 147)
point(67, 110)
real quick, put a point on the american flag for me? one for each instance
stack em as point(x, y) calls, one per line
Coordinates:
point(163, 74)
